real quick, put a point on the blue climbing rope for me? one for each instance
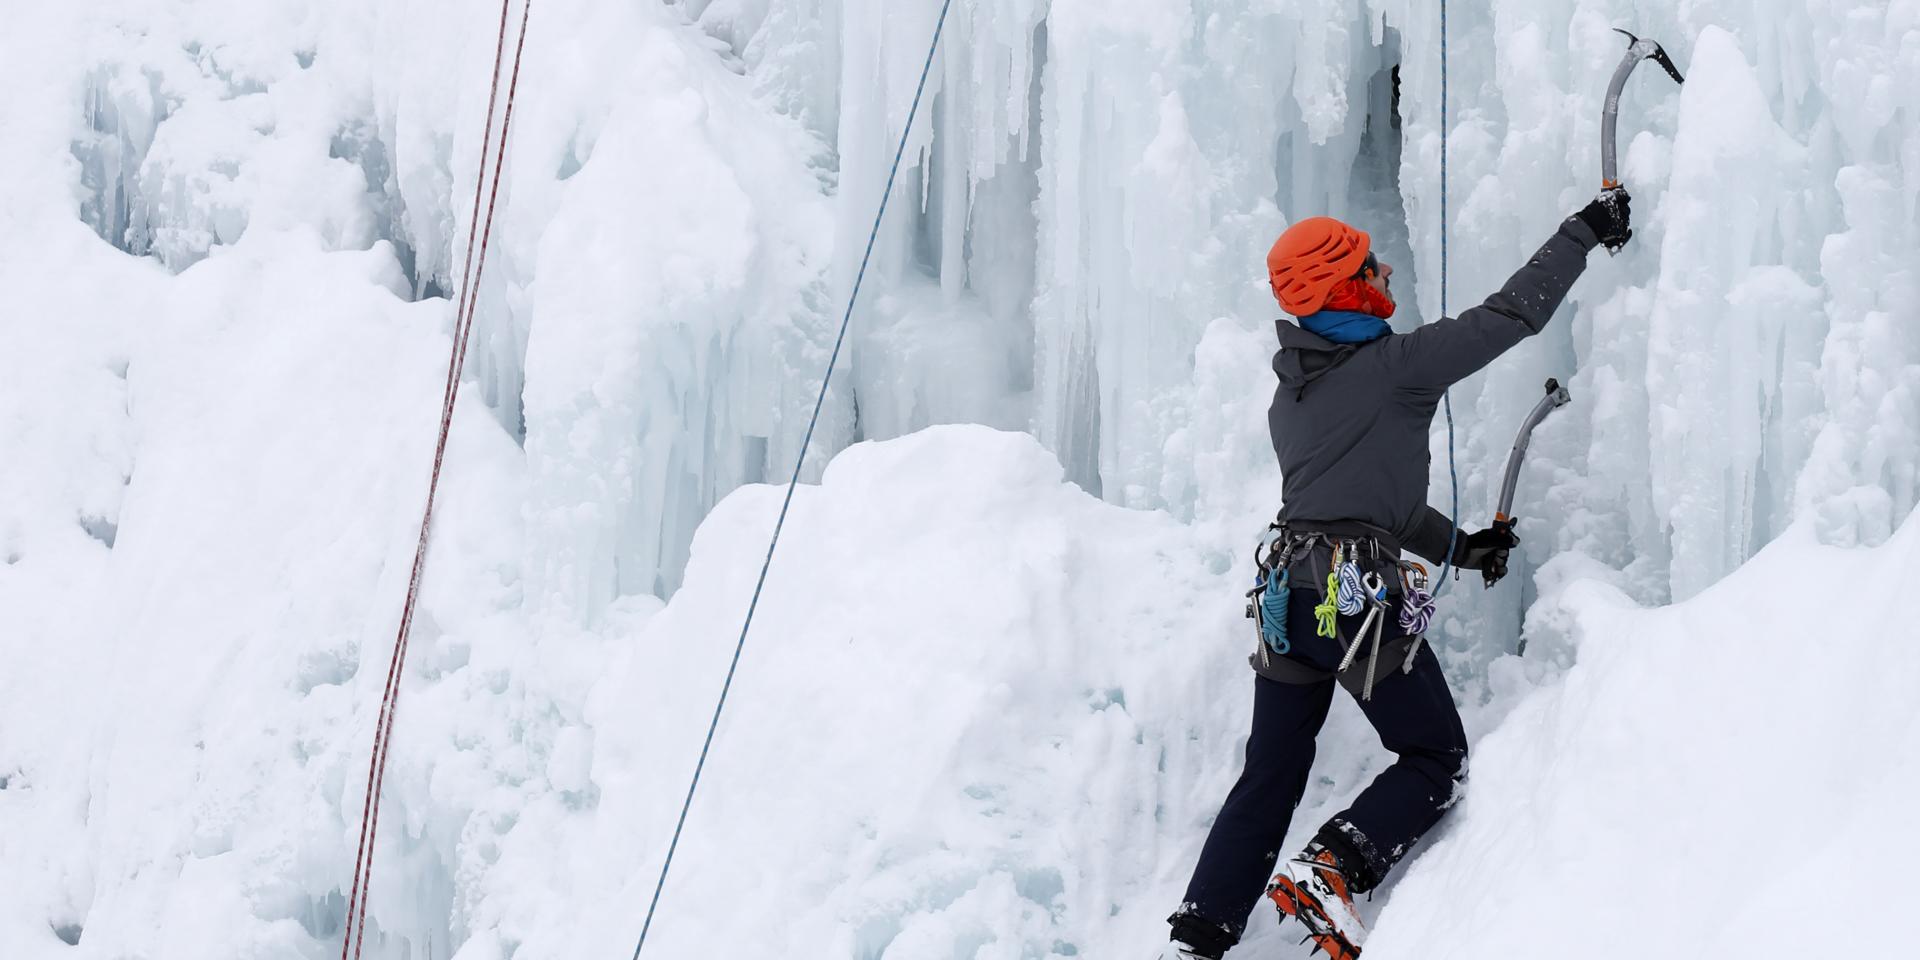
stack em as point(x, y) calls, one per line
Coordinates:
point(1453, 473)
point(794, 481)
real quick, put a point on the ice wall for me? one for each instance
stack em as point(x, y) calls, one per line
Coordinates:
point(1173, 142)
point(1731, 308)
point(1080, 199)
point(680, 340)
point(1088, 191)
point(674, 307)
point(1162, 146)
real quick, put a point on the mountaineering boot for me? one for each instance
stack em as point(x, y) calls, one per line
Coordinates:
point(1196, 938)
point(1312, 888)
point(1180, 951)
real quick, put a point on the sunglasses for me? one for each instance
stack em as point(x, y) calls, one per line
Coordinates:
point(1369, 267)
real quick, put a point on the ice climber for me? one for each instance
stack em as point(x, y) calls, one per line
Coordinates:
point(1350, 422)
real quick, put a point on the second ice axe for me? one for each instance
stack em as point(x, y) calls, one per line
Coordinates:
point(1556, 398)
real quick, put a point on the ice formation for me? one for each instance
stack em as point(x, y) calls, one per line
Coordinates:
point(994, 691)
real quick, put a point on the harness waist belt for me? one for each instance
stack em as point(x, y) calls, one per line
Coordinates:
point(1345, 530)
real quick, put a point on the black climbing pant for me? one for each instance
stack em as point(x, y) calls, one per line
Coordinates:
point(1415, 717)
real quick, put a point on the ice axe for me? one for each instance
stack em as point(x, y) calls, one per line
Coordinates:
point(1556, 398)
point(1637, 50)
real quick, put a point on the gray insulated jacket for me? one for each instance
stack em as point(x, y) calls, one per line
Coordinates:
point(1350, 421)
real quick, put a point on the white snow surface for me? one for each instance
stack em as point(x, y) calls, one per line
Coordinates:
point(1731, 776)
point(996, 686)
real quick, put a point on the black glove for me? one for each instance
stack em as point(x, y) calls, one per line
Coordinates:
point(1486, 551)
point(1610, 216)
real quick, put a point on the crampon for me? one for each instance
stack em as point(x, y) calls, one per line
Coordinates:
point(1313, 891)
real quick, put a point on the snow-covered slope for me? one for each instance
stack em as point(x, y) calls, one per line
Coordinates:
point(996, 688)
point(1732, 776)
point(985, 714)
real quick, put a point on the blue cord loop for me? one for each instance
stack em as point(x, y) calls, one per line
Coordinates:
point(1453, 472)
point(1272, 592)
point(794, 481)
point(1276, 595)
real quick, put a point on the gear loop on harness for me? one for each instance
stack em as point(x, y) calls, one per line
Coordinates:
point(1358, 581)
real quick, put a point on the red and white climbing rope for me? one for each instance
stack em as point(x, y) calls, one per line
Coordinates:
point(467, 296)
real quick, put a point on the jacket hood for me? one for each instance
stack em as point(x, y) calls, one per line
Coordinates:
point(1305, 356)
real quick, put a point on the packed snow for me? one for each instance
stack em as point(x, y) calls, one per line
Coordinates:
point(996, 687)
point(1695, 777)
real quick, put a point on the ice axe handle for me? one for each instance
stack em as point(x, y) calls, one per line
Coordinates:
point(1556, 397)
point(1638, 49)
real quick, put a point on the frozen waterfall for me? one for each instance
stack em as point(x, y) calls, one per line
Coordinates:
point(999, 673)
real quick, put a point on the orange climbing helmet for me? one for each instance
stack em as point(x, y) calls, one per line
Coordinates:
point(1311, 259)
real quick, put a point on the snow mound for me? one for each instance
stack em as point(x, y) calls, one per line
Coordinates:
point(975, 704)
point(984, 714)
point(1696, 774)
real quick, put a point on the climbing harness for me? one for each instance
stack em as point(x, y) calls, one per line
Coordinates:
point(475, 263)
point(793, 482)
point(1350, 588)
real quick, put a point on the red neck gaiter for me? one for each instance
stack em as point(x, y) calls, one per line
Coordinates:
point(1357, 295)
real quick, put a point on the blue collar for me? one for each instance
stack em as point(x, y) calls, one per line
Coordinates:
point(1345, 326)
